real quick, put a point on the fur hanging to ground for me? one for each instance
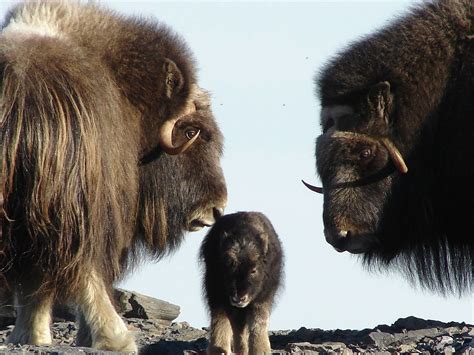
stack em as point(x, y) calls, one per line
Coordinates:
point(110, 152)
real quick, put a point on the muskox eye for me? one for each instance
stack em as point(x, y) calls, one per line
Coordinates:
point(253, 271)
point(190, 133)
point(366, 153)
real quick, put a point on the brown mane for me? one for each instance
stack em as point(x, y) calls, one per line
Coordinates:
point(84, 95)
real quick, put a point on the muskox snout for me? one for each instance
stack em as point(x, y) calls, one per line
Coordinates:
point(347, 240)
point(337, 238)
point(240, 301)
point(206, 216)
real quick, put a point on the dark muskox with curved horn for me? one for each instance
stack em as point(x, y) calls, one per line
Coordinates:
point(382, 104)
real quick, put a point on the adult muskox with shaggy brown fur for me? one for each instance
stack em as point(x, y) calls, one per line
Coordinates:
point(395, 156)
point(109, 151)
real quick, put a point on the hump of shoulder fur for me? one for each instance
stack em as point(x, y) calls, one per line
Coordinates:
point(44, 18)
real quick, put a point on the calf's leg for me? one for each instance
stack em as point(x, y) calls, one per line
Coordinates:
point(241, 336)
point(259, 342)
point(221, 333)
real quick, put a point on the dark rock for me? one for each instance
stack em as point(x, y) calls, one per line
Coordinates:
point(410, 323)
point(414, 323)
point(163, 347)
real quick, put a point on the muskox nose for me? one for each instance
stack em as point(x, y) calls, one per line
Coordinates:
point(218, 212)
point(337, 238)
point(351, 241)
point(239, 301)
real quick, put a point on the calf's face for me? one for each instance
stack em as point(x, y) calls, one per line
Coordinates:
point(244, 266)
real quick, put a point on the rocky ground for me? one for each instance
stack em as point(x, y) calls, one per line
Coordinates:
point(155, 334)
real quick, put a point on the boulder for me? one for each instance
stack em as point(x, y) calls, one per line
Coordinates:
point(129, 305)
point(135, 305)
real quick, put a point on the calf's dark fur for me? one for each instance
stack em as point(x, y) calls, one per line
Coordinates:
point(243, 262)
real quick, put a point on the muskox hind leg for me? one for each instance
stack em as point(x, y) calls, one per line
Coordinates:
point(33, 316)
point(102, 327)
point(259, 342)
point(221, 333)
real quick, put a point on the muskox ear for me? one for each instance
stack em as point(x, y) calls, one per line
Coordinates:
point(380, 101)
point(174, 80)
point(264, 239)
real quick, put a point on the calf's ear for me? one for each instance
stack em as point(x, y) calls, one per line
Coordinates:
point(174, 80)
point(379, 100)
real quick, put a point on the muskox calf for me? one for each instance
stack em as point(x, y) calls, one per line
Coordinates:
point(243, 271)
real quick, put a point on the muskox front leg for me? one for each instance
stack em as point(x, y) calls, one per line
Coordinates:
point(101, 326)
point(33, 317)
point(221, 333)
point(259, 342)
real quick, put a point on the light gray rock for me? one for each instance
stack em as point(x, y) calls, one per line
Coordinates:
point(136, 305)
point(129, 305)
point(382, 340)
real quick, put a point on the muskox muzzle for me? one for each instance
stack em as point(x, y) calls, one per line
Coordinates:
point(344, 240)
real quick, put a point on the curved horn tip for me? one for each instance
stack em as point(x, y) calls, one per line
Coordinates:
point(395, 155)
point(317, 189)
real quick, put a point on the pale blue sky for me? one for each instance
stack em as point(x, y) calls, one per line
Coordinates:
point(258, 59)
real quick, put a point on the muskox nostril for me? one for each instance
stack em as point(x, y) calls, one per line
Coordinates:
point(242, 299)
point(235, 299)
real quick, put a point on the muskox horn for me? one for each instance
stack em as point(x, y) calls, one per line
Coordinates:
point(395, 155)
point(165, 138)
point(319, 190)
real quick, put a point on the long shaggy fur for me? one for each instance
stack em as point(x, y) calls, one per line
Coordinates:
point(243, 271)
point(53, 166)
point(84, 93)
point(427, 56)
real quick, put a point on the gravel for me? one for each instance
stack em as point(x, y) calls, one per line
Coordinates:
point(407, 335)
